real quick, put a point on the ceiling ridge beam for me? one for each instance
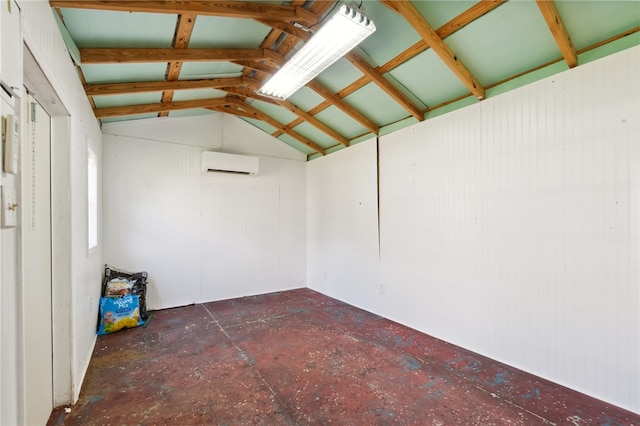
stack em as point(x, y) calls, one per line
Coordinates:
point(121, 111)
point(229, 9)
point(146, 55)
point(428, 34)
point(559, 31)
point(369, 71)
point(273, 122)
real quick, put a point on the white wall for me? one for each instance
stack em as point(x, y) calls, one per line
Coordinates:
point(203, 237)
point(510, 228)
point(342, 230)
point(10, 297)
point(81, 271)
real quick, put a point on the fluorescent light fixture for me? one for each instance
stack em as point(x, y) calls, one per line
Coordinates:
point(344, 31)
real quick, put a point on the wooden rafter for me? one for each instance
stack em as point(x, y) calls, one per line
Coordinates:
point(270, 40)
point(346, 108)
point(304, 116)
point(121, 111)
point(428, 34)
point(159, 86)
point(319, 8)
point(257, 114)
point(559, 31)
point(184, 28)
point(471, 14)
point(136, 55)
point(229, 9)
point(288, 29)
point(325, 93)
point(385, 85)
point(314, 121)
point(465, 18)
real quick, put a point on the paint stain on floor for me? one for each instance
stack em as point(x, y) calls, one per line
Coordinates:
point(301, 358)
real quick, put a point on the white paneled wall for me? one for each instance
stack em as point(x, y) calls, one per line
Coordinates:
point(342, 242)
point(203, 236)
point(76, 280)
point(510, 228)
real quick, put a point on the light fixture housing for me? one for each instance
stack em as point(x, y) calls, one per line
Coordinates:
point(347, 28)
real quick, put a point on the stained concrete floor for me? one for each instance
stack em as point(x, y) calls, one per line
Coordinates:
point(301, 358)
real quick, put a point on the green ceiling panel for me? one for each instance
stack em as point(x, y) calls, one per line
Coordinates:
point(190, 112)
point(197, 70)
point(341, 122)
point(129, 118)
point(437, 83)
point(211, 31)
point(267, 128)
point(610, 48)
point(91, 28)
point(375, 104)
point(316, 135)
point(491, 56)
point(132, 99)
point(189, 95)
point(511, 39)
point(306, 98)
point(339, 75)
point(115, 73)
point(438, 13)
point(295, 143)
point(274, 111)
point(588, 22)
point(392, 35)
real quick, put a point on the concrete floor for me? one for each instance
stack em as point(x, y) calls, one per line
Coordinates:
point(298, 358)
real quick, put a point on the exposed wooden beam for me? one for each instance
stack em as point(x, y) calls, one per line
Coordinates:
point(385, 85)
point(339, 103)
point(271, 39)
point(135, 55)
point(304, 116)
point(258, 66)
point(230, 9)
point(288, 29)
point(471, 14)
point(428, 34)
point(230, 109)
point(159, 86)
point(559, 31)
point(314, 121)
point(325, 93)
point(181, 37)
point(159, 107)
point(465, 18)
point(273, 122)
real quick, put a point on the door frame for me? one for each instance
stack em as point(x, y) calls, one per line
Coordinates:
point(61, 293)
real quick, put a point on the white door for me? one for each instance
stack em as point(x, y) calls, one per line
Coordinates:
point(36, 261)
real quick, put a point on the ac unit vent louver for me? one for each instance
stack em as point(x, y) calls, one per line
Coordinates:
point(223, 162)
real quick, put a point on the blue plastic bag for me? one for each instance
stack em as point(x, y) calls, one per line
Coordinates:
point(118, 313)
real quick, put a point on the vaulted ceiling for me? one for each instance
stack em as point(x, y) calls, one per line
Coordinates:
point(142, 59)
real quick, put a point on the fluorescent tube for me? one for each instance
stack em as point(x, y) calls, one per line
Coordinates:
point(345, 30)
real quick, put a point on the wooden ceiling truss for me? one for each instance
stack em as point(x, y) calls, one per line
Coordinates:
point(260, 63)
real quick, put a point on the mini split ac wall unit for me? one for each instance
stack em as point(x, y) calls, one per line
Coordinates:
point(223, 162)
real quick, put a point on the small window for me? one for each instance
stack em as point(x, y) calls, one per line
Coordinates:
point(92, 195)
